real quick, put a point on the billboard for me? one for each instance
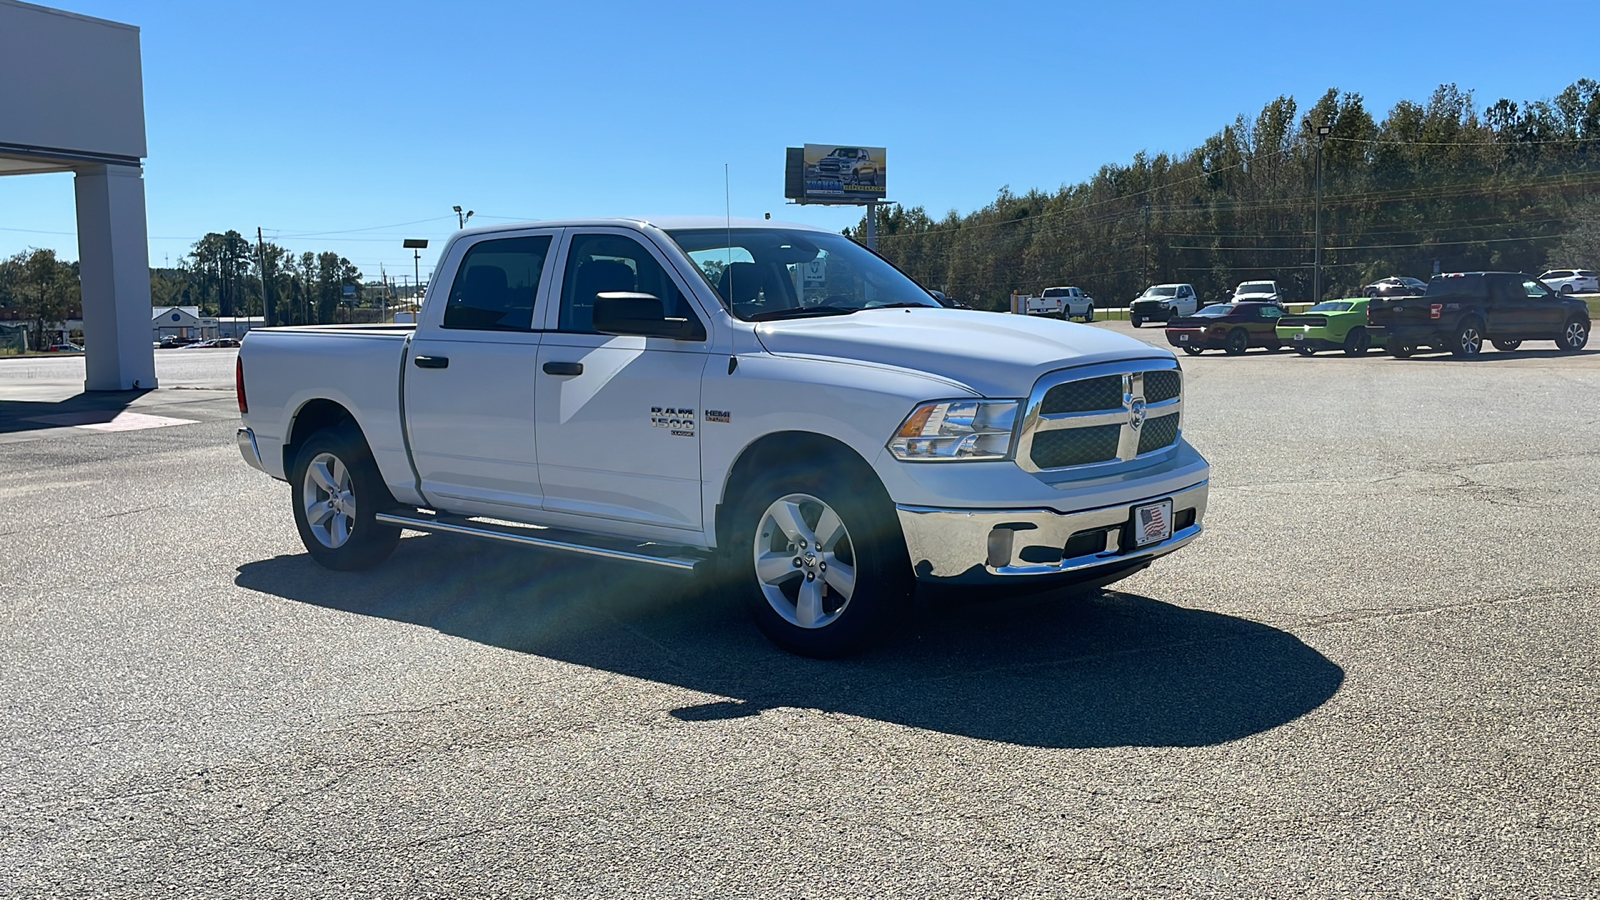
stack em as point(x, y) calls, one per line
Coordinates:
point(835, 173)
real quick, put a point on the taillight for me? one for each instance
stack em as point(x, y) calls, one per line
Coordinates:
point(238, 385)
point(1435, 309)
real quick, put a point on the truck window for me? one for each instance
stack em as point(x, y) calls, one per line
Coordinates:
point(603, 263)
point(496, 285)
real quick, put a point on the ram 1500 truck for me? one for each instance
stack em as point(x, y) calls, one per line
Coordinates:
point(1458, 312)
point(695, 395)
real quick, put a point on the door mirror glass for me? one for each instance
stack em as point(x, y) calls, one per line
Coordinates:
point(628, 312)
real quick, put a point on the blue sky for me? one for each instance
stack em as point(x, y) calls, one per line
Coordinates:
point(325, 122)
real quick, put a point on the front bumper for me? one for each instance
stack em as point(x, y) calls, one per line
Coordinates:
point(1152, 313)
point(968, 546)
point(248, 448)
point(1197, 338)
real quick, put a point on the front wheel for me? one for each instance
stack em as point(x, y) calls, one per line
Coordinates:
point(1136, 321)
point(1357, 342)
point(1399, 350)
point(824, 563)
point(1088, 313)
point(1574, 335)
point(1506, 346)
point(1305, 351)
point(1567, 289)
point(337, 491)
point(1238, 342)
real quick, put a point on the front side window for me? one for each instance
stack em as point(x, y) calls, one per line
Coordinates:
point(496, 285)
point(608, 263)
point(778, 273)
point(1535, 290)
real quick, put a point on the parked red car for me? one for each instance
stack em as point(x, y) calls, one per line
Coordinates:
point(1234, 327)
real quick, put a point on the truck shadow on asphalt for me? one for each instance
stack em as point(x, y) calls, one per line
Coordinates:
point(1103, 669)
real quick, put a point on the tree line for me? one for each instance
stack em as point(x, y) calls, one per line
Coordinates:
point(224, 274)
point(1509, 186)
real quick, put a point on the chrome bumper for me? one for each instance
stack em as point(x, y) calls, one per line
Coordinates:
point(248, 448)
point(977, 545)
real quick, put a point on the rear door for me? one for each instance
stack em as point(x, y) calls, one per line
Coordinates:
point(618, 415)
point(468, 387)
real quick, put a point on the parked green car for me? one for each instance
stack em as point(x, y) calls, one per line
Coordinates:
point(1331, 325)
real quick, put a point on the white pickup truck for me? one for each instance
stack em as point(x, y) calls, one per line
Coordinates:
point(772, 406)
point(1066, 302)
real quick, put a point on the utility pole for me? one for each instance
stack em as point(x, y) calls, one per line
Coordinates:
point(1316, 275)
point(266, 301)
point(416, 246)
point(1144, 242)
point(872, 225)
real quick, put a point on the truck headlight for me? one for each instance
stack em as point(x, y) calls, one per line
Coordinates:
point(957, 430)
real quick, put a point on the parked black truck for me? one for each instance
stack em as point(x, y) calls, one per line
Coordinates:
point(1458, 312)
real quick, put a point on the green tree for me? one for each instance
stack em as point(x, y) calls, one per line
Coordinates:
point(42, 289)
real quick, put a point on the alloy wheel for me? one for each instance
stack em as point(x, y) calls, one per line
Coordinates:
point(805, 561)
point(330, 500)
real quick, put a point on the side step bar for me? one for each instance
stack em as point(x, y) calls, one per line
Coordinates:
point(682, 559)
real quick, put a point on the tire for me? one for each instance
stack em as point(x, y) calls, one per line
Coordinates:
point(1088, 314)
point(1574, 335)
point(1507, 346)
point(797, 606)
point(1399, 350)
point(1136, 321)
point(1193, 351)
point(1238, 342)
point(1305, 351)
point(1567, 289)
point(1357, 342)
point(1468, 340)
point(1372, 292)
point(336, 490)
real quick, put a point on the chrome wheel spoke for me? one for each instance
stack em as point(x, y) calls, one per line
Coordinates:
point(840, 577)
point(773, 568)
point(339, 530)
point(323, 476)
point(808, 606)
point(786, 515)
point(319, 513)
point(829, 529)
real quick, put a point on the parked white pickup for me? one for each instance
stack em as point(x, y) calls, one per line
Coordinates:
point(1065, 302)
point(701, 396)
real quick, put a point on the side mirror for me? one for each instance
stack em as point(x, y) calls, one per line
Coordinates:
point(625, 312)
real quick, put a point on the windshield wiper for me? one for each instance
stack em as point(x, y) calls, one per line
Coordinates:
point(801, 312)
point(903, 305)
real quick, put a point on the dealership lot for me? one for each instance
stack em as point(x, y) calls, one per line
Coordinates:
point(1375, 674)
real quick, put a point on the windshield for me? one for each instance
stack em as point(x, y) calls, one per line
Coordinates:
point(1215, 312)
point(1332, 306)
point(1161, 291)
point(1257, 287)
point(776, 273)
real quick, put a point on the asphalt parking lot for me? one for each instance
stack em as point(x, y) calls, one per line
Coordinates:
point(1375, 674)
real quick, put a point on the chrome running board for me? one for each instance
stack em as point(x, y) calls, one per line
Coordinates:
point(669, 556)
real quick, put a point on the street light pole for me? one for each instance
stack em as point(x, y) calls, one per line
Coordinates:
point(462, 218)
point(416, 246)
point(1316, 276)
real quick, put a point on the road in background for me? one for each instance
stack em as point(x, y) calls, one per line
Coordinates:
point(1374, 674)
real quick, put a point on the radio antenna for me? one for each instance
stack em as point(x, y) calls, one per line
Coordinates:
point(727, 211)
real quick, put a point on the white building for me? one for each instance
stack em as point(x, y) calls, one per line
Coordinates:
point(183, 322)
point(72, 100)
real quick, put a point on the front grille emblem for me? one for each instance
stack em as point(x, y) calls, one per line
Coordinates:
point(1136, 415)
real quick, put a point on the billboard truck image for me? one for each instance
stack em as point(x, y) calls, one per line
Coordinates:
point(844, 174)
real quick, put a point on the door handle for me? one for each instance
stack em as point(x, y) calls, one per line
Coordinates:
point(432, 362)
point(563, 368)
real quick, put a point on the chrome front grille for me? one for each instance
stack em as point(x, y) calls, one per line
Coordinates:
point(1099, 417)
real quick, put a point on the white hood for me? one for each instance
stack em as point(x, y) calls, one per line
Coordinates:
point(994, 354)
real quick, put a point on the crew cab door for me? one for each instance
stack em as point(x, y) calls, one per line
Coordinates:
point(618, 416)
point(469, 376)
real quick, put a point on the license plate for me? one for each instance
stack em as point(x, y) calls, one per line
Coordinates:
point(1152, 523)
point(1299, 337)
point(1183, 339)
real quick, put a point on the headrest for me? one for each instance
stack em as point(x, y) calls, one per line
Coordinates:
point(740, 282)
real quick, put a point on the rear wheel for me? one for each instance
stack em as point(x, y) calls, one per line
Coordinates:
point(1399, 350)
point(337, 492)
point(1574, 335)
point(1468, 339)
point(1357, 342)
point(821, 559)
point(1238, 342)
point(1507, 346)
point(1305, 351)
point(1193, 351)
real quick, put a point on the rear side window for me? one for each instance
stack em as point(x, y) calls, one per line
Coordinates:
point(607, 263)
point(1585, 274)
point(497, 284)
point(1470, 287)
point(1558, 274)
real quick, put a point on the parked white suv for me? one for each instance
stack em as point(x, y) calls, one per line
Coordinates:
point(1572, 281)
point(815, 438)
